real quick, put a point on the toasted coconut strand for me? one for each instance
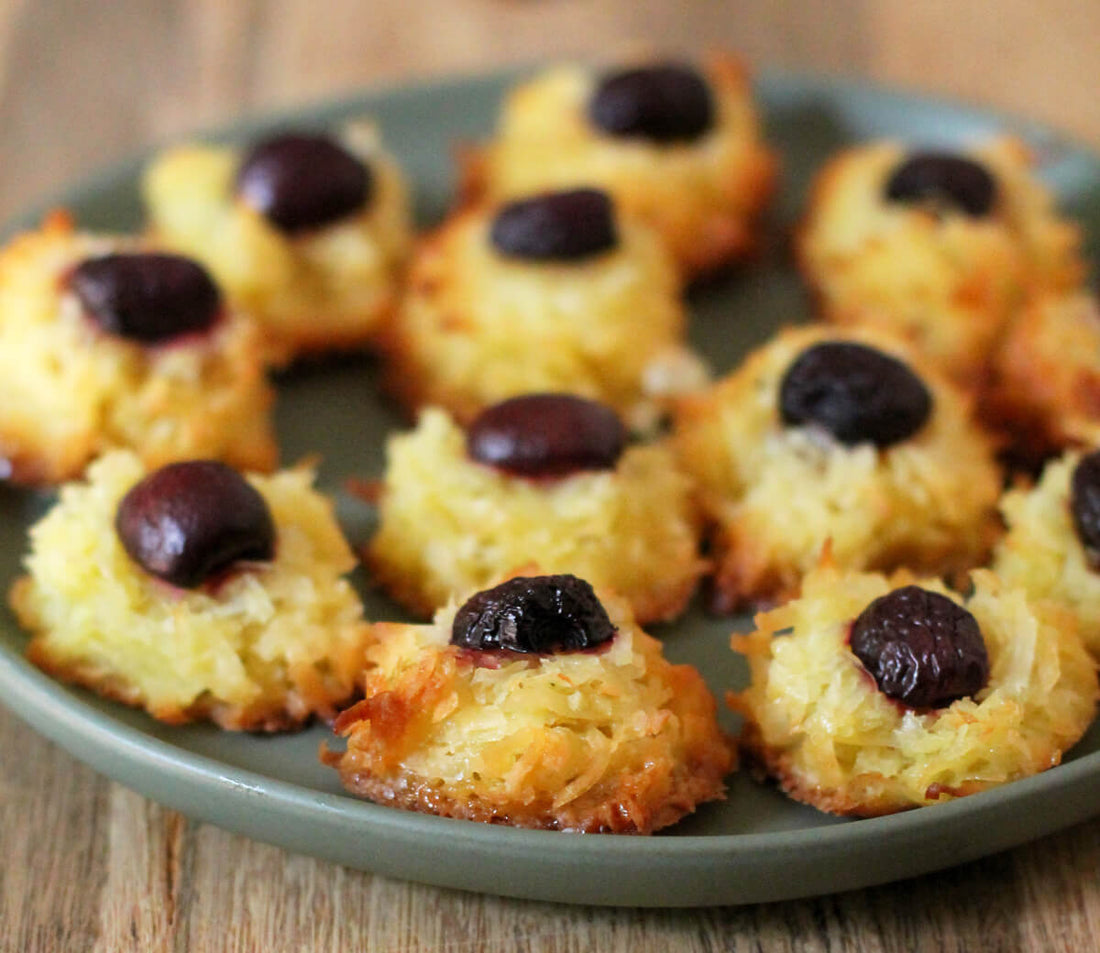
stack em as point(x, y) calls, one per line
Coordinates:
point(818, 724)
point(705, 197)
point(475, 327)
point(775, 496)
point(1045, 388)
point(69, 391)
point(1042, 552)
point(326, 289)
point(616, 740)
point(449, 524)
point(264, 649)
point(945, 281)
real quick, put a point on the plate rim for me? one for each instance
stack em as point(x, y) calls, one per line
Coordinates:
point(97, 738)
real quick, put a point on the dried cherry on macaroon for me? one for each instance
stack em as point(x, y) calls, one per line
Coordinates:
point(943, 179)
point(663, 103)
point(556, 226)
point(299, 182)
point(547, 435)
point(855, 392)
point(187, 522)
point(533, 614)
point(147, 297)
point(1084, 505)
point(922, 648)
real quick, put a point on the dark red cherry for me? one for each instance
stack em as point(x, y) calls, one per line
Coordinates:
point(547, 435)
point(943, 179)
point(146, 297)
point(663, 103)
point(1085, 505)
point(857, 393)
point(922, 649)
point(300, 182)
point(556, 226)
point(187, 522)
point(533, 614)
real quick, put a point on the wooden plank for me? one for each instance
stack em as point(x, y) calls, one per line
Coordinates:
point(146, 876)
point(53, 844)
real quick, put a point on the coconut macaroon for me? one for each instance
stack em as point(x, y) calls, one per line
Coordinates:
point(107, 343)
point(937, 247)
point(195, 593)
point(1053, 540)
point(454, 515)
point(871, 695)
point(536, 704)
point(838, 438)
point(679, 146)
point(1044, 391)
point(555, 292)
point(307, 232)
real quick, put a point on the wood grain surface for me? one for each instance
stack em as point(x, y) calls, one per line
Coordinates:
point(88, 865)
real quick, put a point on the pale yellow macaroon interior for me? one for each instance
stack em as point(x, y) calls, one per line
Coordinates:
point(823, 723)
point(1042, 553)
point(269, 645)
point(534, 737)
point(477, 326)
point(450, 525)
point(326, 287)
point(700, 195)
point(68, 390)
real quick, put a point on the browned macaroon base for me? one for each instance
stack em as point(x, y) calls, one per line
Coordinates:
point(291, 711)
point(771, 764)
point(639, 805)
point(636, 747)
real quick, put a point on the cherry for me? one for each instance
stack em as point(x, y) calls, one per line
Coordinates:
point(301, 182)
point(922, 648)
point(940, 178)
point(1085, 505)
point(547, 435)
point(663, 103)
point(533, 614)
point(556, 226)
point(146, 297)
point(187, 522)
point(855, 392)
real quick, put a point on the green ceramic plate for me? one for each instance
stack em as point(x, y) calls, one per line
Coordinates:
point(755, 846)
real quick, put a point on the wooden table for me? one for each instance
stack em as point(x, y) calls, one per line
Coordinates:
point(88, 865)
